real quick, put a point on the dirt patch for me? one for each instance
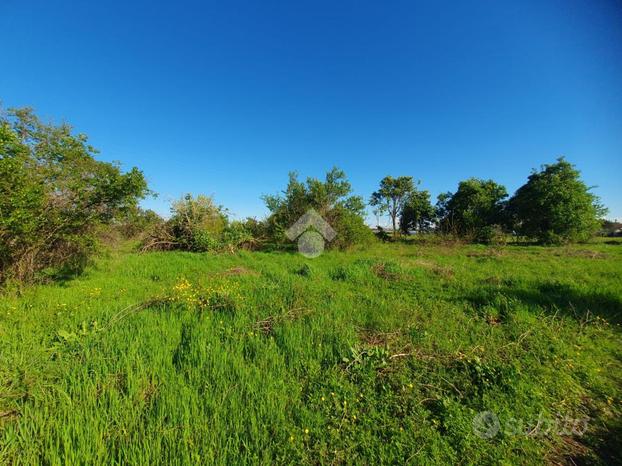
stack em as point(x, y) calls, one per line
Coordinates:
point(266, 326)
point(240, 271)
point(487, 253)
point(443, 271)
point(374, 338)
point(7, 416)
point(381, 270)
point(583, 254)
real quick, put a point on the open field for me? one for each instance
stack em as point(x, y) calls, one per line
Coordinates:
point(385, 355)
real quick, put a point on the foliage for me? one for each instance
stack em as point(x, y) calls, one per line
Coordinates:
point(417, 212)
point(53, 196)
point(555, 206)
point(137, 221)
point(476, 204)
point(332, 200)
point(239, 235)
point(392, 196)
point(491, 234)
point(382, 235)
point(196, 224)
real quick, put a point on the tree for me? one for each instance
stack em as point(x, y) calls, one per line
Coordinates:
point(331, 198)
point(417, 213)
point(555, 206)
point(54, 194)
point(475, 205)
point(392, 195)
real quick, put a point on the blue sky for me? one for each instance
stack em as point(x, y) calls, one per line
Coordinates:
point(227, 97)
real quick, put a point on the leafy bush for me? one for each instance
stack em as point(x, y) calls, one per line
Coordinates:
point(417, 212)
point(239, 235)
point(54, 195)
point(351, 229)
point(199, 225)
point(196, 224)
point(491, 234)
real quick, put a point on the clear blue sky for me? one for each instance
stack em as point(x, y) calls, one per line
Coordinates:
point(226, 97)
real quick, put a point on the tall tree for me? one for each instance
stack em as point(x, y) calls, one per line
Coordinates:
point(417, 213)
point(475, 205)
point(392, 195)
point(555, 206)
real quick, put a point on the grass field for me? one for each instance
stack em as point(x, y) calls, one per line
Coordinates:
point(379, 356)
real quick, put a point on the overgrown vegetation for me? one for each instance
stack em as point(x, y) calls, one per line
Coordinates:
point(197, 225)
point(387, 353)
point(382, 356)
point(56, 198)
point(475, 208)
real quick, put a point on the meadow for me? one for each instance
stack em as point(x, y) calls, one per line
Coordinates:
point(383, 355)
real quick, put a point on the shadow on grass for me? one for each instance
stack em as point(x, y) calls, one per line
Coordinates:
point(555, 297)
point(605, 443)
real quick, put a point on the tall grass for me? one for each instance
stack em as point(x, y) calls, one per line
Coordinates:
point(378, 356)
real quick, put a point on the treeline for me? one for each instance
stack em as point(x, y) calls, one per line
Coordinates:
point(554, 206)
point(57, 201)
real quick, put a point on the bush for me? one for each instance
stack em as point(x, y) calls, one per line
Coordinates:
point(239, 235)
point(196, 224)
point(351, 230)
point(54, 196)
point(491, 234)
point(199, 225)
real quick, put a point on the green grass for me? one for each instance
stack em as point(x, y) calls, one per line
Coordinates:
point(378, 356)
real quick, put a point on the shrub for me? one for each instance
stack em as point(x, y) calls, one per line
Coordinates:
point(491, 234)
point(238, 235)
point(351, 229)
point(196, 224)
point(199, 225)
point(137, 222)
